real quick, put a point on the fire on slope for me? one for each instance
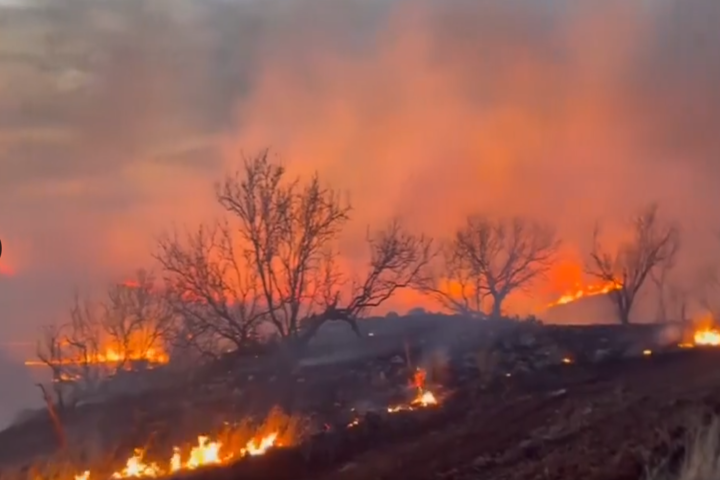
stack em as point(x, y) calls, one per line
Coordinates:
point(585, 291)
point(278, 430)
point(708, 337)
point(423, 398)
point(206, 453)
point(111, 355)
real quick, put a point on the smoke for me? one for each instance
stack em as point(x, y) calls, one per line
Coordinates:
point(20, 393)
point(567, 111)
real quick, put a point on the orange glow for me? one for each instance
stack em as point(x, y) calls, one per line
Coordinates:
point(227, 448)
point(205, 453)
point(6, 270)
point(112, 356)
point(707, 337)
point(545, 127)
point(582, 292)
point(423, 398)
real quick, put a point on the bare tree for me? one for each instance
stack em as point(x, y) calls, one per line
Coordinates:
point(708, 288)
point(213, 288)
point(51, 353)
point(289, 230)
point(491, 258)
point(71, 351)
point(459, 285)
point(660, 277)
point(678, 299)
point(654, 243)
point(136, 321)
point(397, 260)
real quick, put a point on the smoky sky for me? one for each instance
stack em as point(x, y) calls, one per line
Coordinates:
point(116, 118)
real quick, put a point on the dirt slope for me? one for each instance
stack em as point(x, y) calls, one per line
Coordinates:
point(604, 423)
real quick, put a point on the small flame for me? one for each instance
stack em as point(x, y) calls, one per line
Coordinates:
point(205, 453)
point(424, 398)
point(135, 467)
point(588, 291)
point(260, 446)
point(111, 356)
point(707, 337)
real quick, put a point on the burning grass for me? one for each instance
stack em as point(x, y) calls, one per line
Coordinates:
point(233, 443)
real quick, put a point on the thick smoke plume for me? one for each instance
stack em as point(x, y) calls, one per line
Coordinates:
point(567, 111)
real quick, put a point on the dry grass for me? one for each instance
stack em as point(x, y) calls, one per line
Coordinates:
point(702, 456)
point(234, 437)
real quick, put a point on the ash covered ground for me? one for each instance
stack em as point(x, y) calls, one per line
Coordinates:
point(514, 400)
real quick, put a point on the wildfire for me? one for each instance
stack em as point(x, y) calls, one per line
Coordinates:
point(707, 337)
point(705, 334)
point(206, 453)
point(111, 356)
point(423, 398)
point(588, 291)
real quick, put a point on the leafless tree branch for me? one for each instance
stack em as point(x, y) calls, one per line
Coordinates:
point(212, 288)
point(491, 258)
point(653, 245)
point(289, 229)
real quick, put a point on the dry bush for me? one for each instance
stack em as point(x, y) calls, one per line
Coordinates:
point(701, 460)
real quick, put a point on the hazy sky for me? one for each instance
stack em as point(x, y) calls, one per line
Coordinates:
point(564, 110)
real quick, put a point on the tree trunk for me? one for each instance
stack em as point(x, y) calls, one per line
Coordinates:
point(624, 315)
point(496, 311)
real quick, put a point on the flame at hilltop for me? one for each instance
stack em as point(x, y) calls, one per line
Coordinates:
point(110, 356)
point(583, 292)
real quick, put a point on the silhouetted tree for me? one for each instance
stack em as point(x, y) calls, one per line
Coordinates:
point(284, 234)
point(211, 288)
point(654, 244)
point(491, 258)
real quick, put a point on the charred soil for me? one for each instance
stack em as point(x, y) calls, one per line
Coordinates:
point(596, 422)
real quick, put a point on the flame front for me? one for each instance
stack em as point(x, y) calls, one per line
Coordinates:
point(708, 337)
point(260, 446)
point(111, 356)
point(206, 453)
point(587, 291)
point(135, 467)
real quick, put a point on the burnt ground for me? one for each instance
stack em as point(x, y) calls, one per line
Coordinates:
point(597, 422)
point(604, 416)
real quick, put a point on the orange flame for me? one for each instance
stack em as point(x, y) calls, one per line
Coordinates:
point(205, 453)
point(424, 398)
point(708, 337)
point(111, 355)
point(582, 292)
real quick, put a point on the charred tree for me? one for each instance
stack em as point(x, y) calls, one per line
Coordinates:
point(653, 244)
point(490, 259)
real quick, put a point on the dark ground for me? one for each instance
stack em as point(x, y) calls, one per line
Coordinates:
point(598, 424)
point(592, 423)
point(590, 420)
